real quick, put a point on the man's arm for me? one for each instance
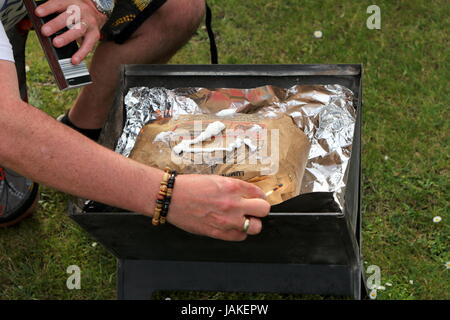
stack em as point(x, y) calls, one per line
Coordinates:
point(44, 150)
point(48, 152)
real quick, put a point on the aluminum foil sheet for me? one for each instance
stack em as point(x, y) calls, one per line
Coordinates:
point(324, 112)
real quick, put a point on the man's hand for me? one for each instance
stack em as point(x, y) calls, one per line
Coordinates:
point(85, 20)
point(217, 206)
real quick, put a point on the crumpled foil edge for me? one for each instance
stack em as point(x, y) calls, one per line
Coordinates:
point(328, 123)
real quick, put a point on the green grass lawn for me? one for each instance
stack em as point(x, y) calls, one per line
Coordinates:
point(405, 136)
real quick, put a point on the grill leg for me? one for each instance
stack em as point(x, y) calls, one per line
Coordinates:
point(131, 284)
point(139, 279)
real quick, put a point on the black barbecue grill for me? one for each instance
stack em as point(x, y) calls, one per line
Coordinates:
point(308, 245)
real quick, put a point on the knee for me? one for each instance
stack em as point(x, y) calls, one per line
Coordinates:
point(184, 15)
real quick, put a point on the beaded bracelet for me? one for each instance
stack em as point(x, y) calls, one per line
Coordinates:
point(163, 197)
point(168, 197)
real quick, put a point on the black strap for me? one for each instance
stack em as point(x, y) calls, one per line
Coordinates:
point(212, 40)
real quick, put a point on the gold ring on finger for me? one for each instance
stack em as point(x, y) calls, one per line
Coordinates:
point(246, 225)
point(84, 24)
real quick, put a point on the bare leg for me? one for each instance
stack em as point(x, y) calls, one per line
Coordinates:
point(156, 41)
